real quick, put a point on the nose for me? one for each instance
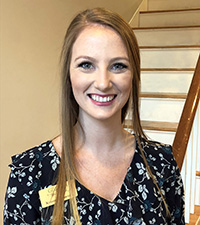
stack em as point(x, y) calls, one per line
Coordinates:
point(103, 80)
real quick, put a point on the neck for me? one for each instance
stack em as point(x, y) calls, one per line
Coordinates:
point(107, 135)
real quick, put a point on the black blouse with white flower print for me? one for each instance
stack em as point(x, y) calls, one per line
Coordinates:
point(138, 201)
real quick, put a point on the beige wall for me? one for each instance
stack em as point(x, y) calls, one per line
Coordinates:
point(31, 37)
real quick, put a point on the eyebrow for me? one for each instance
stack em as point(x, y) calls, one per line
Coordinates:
point(93, 59)
point(119, 58)
point(85, 57)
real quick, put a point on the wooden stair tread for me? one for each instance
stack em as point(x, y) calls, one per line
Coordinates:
point(163, 95)
point(165, 27)
point(155, 125)
point(169, 10)
point(161, 126)
point(169, 46)
point(168, 69)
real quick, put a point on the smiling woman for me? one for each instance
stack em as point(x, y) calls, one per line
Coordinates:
point(100, 73)
point(96, 172)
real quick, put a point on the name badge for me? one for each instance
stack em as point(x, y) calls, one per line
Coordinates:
point(48, 195)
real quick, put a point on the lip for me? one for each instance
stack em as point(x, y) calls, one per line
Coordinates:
point(104, 101)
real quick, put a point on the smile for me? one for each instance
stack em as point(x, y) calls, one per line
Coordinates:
point(102, 99)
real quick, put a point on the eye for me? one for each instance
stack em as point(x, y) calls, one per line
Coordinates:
point(86, 66)
point(119, 67)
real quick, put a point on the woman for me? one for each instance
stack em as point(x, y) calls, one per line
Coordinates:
point(113, 177)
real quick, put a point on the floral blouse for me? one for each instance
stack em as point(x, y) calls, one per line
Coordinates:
point(138, 201)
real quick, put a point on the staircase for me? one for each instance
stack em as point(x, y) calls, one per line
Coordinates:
point(168, 34)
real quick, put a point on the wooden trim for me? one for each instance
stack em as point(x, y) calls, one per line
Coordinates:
point(169, 10)
point(168, 69)
point(198, 173)
point(169, 46)
point(154, 125)
point(167, 27)
point(195, 217)
point(163, 95)
point(186, 121)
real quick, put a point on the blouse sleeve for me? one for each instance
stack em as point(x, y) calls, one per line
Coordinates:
point(175, 195)
point(22, 200)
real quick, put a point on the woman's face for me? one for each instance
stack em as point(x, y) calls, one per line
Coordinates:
point(100, 73)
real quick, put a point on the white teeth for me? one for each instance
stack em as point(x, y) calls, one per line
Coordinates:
point(102, 99)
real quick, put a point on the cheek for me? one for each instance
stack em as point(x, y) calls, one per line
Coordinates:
point(79, 84)
point(126, 85)
point(75, 80)
point(75, 84)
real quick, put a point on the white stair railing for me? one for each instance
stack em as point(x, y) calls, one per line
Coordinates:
point(190, 166)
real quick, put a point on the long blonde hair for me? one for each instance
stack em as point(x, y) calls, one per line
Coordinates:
point(70, 108)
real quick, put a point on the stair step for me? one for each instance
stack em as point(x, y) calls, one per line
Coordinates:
point(163, 95)
point(172, 4)
point(168, 110)
point(166, 81)
point(165, 27)
point(155, 125)
point(169, 69)
point(160, 126)
point(170, 46)
point(170, 17)
point(170, 10)
point(176, 36)
point(176, 58)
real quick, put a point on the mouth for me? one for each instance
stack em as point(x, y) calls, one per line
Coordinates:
point(102, 99)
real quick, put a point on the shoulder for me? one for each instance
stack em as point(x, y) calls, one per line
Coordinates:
point(160, 159)
point(31, 171)
point(31, 166)
point(156, 149)
point(35, 154)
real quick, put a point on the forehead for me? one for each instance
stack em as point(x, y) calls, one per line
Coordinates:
point(98, 36)
point(96, 28)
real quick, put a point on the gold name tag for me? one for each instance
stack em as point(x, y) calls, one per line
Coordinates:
point(48, 195)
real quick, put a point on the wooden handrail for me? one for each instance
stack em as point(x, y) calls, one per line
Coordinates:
point(186, 121)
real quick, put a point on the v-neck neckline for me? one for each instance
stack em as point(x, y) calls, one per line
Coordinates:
point(97, 195)
point(124, 181)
